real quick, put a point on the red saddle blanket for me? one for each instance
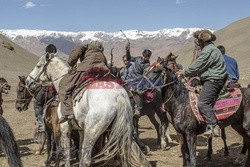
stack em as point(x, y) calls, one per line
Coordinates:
point(148, 97)
point(224, 107)
point(92, 75)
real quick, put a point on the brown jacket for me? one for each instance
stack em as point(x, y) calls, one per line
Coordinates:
point(90, 55)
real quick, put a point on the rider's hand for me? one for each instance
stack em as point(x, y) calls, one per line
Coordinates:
point(180, 73)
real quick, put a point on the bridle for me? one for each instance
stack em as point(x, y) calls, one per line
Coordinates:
point(36, 79)
point(44, 70)
point(24, 99)
point(169, 83)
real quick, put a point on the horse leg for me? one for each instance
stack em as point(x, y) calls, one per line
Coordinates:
point(81, 137)
point(191, 142)
point(238, 128)
point(42, 141)
point(142, 146)
point(210, 148)
point(57, 136)
point(184, 150)
point(66, 131)
point(75, 138)
point(157, 128)
point(163, 128)
point(224, 138)
point(247, 164)
point(240, 157)
point(49, 151)
point(92, 132)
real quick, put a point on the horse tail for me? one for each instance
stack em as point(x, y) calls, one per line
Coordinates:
point(8, 144)
point(120, 138)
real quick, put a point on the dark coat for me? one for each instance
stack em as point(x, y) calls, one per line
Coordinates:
point(90, 55)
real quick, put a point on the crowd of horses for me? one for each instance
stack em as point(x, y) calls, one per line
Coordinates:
point(110, 131)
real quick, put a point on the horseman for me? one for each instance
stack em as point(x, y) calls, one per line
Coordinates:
point(90, 56)
point(211, 69)
point(40, 97)
point(135, 73)
point(231, 66)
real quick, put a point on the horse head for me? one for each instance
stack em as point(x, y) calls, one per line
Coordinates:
point(24, 95)
point(171, 62)
point(49, 68)
point(4, 86)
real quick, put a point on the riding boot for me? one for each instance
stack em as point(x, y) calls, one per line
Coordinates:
point(212, 131)
point(41, 125)
point(67, 109)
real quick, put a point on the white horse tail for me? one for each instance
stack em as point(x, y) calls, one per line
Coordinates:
point(120, 138)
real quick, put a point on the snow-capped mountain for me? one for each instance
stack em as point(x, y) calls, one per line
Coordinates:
point(161, 42)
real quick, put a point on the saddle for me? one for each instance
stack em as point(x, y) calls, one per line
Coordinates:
point(225, 106)
point(89, 77)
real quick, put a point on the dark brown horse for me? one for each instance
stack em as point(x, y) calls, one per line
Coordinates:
point(7, 139)
point(185, 122)
point(4, 88)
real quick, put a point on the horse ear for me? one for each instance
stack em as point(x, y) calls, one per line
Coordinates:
point(169, 55)
point(175, 57)
point(20, 78)
point(48, 56)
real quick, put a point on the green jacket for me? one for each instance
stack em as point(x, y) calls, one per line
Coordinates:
point(209, 65)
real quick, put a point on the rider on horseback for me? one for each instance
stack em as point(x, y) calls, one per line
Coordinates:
point(231, 66)
point(136, 72)
point(90, 55)
point(211, 69)
point(40, 97)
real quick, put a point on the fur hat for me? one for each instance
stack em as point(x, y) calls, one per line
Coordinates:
point(95, 45)
point(204, 35)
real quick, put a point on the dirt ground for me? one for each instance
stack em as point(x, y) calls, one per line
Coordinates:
point(23, 125)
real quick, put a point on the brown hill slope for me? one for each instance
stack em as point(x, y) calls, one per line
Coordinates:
point(236, 39)
point(14, 60)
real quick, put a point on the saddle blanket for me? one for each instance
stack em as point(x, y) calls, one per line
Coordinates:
point(224, 107)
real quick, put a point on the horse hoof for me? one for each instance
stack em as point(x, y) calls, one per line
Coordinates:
point(207, 158)
point(226, 154)
point(240, 160)
point(147, 150)
point(163, 145)
point(37, 153)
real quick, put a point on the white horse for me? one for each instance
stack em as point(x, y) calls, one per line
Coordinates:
point(94, 113)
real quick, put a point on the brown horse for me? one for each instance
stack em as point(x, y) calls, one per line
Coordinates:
point(51, 120)
point(185, 122)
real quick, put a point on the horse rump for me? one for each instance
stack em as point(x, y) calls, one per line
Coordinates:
point(8, 144)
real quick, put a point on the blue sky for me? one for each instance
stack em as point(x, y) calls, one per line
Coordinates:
point(113, 15)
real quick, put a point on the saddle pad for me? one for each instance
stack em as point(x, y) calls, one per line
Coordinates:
point(224, 107)
point(148, 97)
